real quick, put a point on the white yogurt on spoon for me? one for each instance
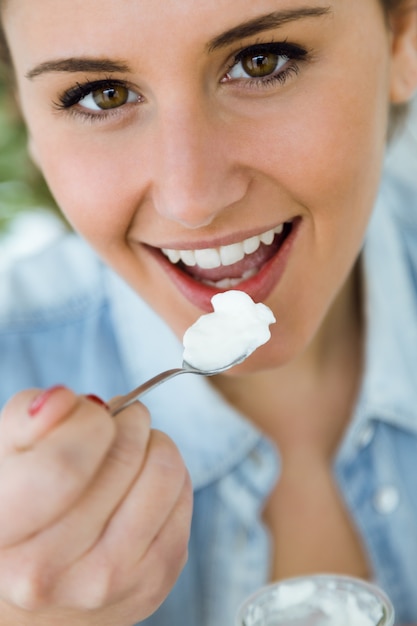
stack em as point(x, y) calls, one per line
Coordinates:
point(236, 327)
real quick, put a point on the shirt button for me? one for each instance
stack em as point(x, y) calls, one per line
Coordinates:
point(386, 500)
point(366, 435)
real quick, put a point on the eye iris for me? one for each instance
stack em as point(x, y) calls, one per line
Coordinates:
point(111, 97)
point(258, 65)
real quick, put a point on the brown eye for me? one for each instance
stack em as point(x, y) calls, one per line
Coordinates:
point(110, 97)
point(261, 64)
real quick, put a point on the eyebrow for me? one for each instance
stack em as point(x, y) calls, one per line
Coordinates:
point(78, 64)
point(265, 22)
point(246, 29)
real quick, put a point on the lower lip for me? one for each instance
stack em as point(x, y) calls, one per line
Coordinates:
point(258, 287)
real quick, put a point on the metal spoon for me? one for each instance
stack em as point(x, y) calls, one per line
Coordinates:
point(121, 402)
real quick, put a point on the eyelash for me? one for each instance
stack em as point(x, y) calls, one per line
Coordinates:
point(294, 54)
point(69, 99)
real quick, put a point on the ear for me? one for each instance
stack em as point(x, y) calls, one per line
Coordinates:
point(403, 22)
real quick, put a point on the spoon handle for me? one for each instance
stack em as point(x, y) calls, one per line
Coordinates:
point(122, 402)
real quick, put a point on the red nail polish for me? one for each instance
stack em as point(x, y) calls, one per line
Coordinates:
point(40, 400)
point(97, 400)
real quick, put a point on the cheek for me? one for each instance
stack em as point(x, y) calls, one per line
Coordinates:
point(326, 152)
point(329, 141)
point(328, 157)
point(89, 185)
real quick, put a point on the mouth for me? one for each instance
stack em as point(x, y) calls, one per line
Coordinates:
point(253, 265)
point(227, 266)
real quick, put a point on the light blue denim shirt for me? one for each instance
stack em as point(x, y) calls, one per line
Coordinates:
point(65, 318)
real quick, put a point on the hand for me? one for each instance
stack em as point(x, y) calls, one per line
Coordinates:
point(95, 512)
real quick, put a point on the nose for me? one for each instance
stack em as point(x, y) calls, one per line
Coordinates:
point(196, 176)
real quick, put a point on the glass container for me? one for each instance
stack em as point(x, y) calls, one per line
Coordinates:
point(318, 600)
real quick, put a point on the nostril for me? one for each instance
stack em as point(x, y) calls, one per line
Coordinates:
point(194, 195)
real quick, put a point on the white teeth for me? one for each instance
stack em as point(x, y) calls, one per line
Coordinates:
point(229, 283)
point(232, 253)
point(173, 255)
point(251, 245)
point(209, 258)
point(268, 237)
point(225, 283)
point(188, 257)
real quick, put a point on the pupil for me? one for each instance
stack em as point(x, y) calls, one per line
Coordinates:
point(110, 97)
point(261, 64)
point(260, 61)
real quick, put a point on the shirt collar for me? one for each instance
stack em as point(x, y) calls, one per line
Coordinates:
point(389, 389)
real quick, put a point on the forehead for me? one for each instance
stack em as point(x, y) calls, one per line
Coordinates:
point(150, 12)
point(81, 19)
point(38, 29)
point(35, 28)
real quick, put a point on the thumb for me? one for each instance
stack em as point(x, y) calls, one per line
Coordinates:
point(31, 414)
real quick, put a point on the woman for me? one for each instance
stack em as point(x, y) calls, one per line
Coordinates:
point(200, 147)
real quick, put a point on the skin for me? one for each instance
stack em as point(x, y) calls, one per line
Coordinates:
point(309, 149)
point(83, 552)
point(176, 195)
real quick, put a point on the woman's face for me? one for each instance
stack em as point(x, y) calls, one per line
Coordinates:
point(204, 129)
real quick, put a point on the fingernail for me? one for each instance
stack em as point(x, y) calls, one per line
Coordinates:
point(40, 400)
point(97, 400)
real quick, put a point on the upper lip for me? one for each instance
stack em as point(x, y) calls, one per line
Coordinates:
point(226, 255)
point(219, 241)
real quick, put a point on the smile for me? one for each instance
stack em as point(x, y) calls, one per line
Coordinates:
point(227, 266)
point(209, 258)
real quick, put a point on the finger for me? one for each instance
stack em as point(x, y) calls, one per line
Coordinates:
point(39, 485)
point(63, 543)
point(168, 553)
point(31, 414)
point(150, 500)
point(76, 533)
point(140, 583)
point(154, 574)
